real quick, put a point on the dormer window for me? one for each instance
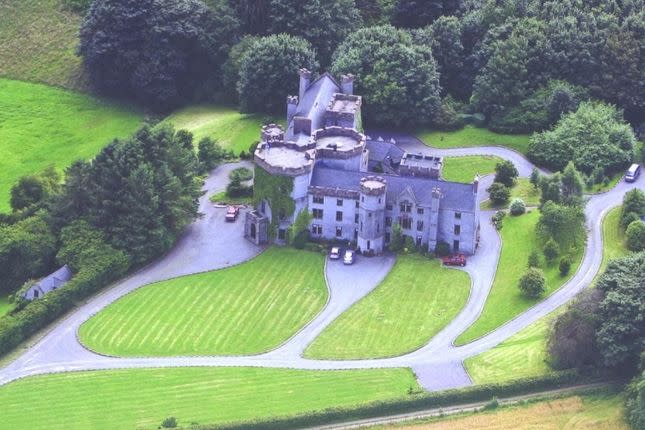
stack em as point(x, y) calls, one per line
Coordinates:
point(406, 207)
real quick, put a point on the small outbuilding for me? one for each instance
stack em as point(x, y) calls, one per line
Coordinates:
point(48, 283)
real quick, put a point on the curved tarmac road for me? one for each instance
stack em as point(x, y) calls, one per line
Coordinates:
point(438, 364)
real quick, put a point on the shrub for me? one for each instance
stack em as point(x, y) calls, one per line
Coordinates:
point(534, 259)
point(409, 246)
point(492, 404)
point(442, 249)
point(397, 241)
point(633, 207)
point(565, 266)
point(636, 236)
point(517, 207)
point(241, 174)
point(551, 250)
point(235, 189)
point(535, 178)
point(499, 193)
point(506, 173)
point(169, 423)
point(533, 283)
point(210, 154)
point(498, 219)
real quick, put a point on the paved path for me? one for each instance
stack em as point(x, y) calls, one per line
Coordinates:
point(207, 246)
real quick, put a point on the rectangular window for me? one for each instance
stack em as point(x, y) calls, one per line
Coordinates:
point(420, 211)
point(378, 227)
point(419, 225)
point(455, 246)
point(339, 232)
point(282, 233)
point(457, 215)
point(388, 206)
point(406, 223)
point(457, 229)
point(419, 240)
point(387, 237)
point(388, 221)
point(356, 204)
point(339, 216)
point(316, 229)
point(369, 215)
point(355, 218)
point(339, 202)
point(406, 207)
point(319, 200)
point(355, 234)
point(317, 213)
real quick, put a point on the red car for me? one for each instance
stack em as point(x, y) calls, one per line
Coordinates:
point(454, 260)
point(231, 213)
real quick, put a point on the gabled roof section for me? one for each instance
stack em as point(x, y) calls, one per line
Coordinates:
point(407, 194)
point(314, 103)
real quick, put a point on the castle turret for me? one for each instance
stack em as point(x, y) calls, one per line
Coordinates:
point(371, 231)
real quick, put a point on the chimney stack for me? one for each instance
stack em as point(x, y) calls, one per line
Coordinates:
point(292, 106)
point(305, 80)
point(476, 184)
point(347, 84)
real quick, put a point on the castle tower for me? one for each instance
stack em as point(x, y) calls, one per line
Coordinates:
point(371, 230)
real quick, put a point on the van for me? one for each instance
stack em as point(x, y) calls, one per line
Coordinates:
point(633, 173)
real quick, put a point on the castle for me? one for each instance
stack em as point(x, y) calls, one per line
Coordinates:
point(355, 189)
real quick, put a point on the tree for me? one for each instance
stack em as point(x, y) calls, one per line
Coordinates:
point(300, 229)
point(593, 136)
point(232, 66)
point(82, 247)
point(565, 266)
point(161, 59)
point(397, 78)
point(210, 154)
point(565, 224)
point(621, 334)
point(397, 241)
point(499, 193)
point(633, 203)
point(506, 173)
point(517, 207)
point(533, 283)
point(324, 23)
point(419, 13)
point(535, 178)
point(534, 259)
point(551, 189)
point(636, 236)
point(572, 185)
point(33, 189)
point(551, 250)
point(253, 15)
point(269, 72)
point(635, 402)
point(572, 340)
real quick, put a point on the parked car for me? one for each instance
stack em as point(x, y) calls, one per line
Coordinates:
point(349, 257)
point(454, 260)
point(334, 254)
point(633, 173)
point(231, 213)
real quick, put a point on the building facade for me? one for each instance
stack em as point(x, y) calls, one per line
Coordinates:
point(355, 189)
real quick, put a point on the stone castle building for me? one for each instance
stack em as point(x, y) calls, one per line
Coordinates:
point(356, 189)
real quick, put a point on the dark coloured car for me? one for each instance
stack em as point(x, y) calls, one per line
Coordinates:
point(231, 213)
point(454, 260)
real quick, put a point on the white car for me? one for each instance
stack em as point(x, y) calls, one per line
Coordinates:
point(349, 257)
point(334, 254)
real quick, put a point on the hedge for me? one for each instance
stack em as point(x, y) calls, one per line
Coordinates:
point(18, 326)
point(479, 393)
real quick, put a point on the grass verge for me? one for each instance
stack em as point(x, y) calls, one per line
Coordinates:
point(223, 198)
point(232, 129)
point(613, 237)
point(505, 300)
point(521, 190)
point(416, 300)
point(44, 126)
point(470, 136)
point(142, 398)
point(464, 169)
point(246, 309)
point(5, 305)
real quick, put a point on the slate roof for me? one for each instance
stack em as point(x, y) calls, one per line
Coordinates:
point(380, 150)
point(55, 280)
point(456, 196)
point(314, 103)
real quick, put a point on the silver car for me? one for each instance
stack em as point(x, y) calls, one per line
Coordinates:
point(349, 257)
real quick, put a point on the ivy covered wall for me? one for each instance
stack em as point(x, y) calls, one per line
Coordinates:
point(276, 190)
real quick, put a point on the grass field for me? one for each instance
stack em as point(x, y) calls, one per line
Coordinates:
point(38, 40)
point(416, 300)
point(590, 412)
point(464, 169)
point(505, 300)
point(5, 305)
point(522, 190)
point(223, 198)
point(474, 136)
point(142, 398)
point(42, 125)
point(232, 129)
point(613, 237)
point(246, 309)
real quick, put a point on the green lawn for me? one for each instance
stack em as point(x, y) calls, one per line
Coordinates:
point(416, 300)
point(41, 125)
point(142, 398)
point(613, 237)
point(246, 309)
point(522, 190)
point(230, 128)
point(38, 40)
point(223, 198)
point(464, 169)
point(5, 305)
point(505, 300)
point(473, 136)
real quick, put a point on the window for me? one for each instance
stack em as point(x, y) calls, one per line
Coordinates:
point(363, 199)
point(420, 211)
point(387, 237)
point(361, 226)
point(317, 213)
point(419, 225)
point(457, 215)
point(369, 214)
point(379, 200)
point(319, 200)
point(282, 233)
point(339, 232)
point(356, 204)
point(369, 245)
point(355, 218)
point(378, 227)
point(457, 229)
point(339, 216)
point(406, 223)
point(316, 229)
point(419, 240)
point(355, 234)
point(339, 202)
point(388, 221)
point(455, 246)
point(36, 294)
point(406, 207)
point(388, 206)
